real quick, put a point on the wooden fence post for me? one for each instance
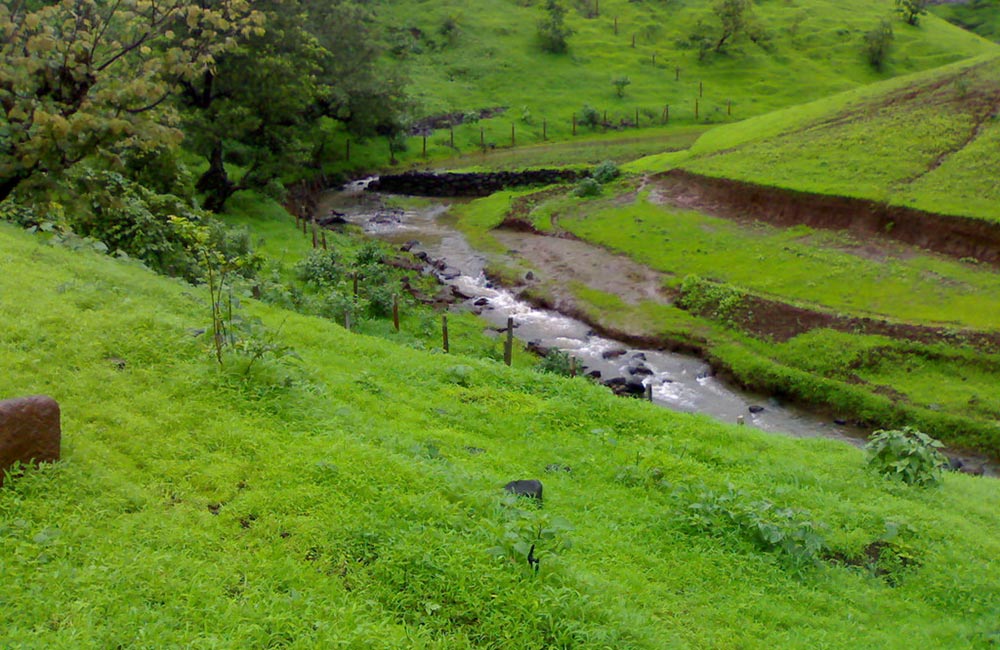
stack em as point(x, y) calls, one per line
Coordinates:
point(545, 129)
point(355, 274)
point(701, 89)
point(347, 150)
point(572, 366)
point(649, 392)
point(696, 108)
point(324, 240)
point(633, 40)
point(315, 238)
point(482, 138)
point(677, 73)
point(513, 140)
point(729, 107)
point(395, 311)
point(574, 123)
point(637, 118)
point(444, 331)
point(425, 147)
point(508, 348)
point(616, 25)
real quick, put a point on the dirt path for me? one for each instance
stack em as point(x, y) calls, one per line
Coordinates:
point(560, 261)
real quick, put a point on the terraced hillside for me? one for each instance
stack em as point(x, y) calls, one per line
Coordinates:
point(929, 142)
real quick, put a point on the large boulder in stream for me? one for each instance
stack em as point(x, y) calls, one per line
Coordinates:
point(623, 387)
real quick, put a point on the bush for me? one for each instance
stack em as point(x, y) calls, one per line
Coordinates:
point(587, 187)
point(877, 44)
point(552, 30)
point(606, 172)
point(320, 269)
point(589, 116)
point(907, 455)
point(369, 254)
point(556, 362)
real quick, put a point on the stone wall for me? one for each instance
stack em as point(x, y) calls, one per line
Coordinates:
point(472, 184)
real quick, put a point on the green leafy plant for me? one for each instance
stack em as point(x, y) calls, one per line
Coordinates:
point(906, 454)
point(320, 269)
point(587, 187)
point(877, 44)
point(791, 533)
point(552, 30)
point(606, 172)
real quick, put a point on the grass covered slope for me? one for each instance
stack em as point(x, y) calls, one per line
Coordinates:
point(354, 499)
point(465, 58)
point(930, 141)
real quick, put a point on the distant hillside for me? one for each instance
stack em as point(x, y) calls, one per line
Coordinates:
point(464, 57)
point(979, 16)
point(929, 141)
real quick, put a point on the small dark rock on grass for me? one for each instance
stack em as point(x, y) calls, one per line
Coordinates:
point(531, 488)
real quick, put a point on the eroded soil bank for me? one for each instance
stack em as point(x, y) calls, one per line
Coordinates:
point(953, 236)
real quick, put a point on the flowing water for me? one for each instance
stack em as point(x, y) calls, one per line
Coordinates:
point(680, 382)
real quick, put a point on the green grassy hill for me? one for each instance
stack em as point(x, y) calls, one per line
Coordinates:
point(463, 58)
point(354, 499)
point(928, 141)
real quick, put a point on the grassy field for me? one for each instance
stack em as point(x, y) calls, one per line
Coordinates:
point(462, 60)
point(946, 121)
point(979, 16)
point(353, 498)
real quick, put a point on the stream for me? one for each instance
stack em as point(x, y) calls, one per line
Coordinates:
point(680, 382)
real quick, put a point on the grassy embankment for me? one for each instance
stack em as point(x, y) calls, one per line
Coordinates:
point(490, 57)
point(353, 498)
point(979, 16)
point(928, 141)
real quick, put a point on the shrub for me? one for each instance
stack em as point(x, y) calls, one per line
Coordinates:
point(552, 30)
point(556, 362)
point(320, 269)
point(589, 116)
point(619, 83)
point(606, 172)
point(370, 253)
point(587, 187)
point(907, 455)
point(877, 44)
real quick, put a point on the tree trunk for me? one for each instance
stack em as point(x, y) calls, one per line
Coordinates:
point(215, 182)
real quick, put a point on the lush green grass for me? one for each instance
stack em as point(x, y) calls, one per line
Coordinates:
point(945, 121)
point(979, 16)
point(335, 502)
point(492, 59)
point(826, 269)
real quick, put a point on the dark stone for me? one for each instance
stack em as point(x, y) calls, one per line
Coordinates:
point(450, 273)
point(30, 431)
point(755, 408)
point(594, 374)
point(840, 422)
point(482, 302)
point(613, 354)
point(626, 387)
point(408, 246)
point(334, 218)
point(536, 347)
point(640, 356)
point(640, 370)
point(458, 293)
point(531, 488)
point(529, 276)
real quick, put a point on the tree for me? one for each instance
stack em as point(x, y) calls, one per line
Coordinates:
point(731, 19)
point(912, 10)
point(552, 30)
point(877, 43)
point(84, 78)
point(619, 83)
point(260, 108)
